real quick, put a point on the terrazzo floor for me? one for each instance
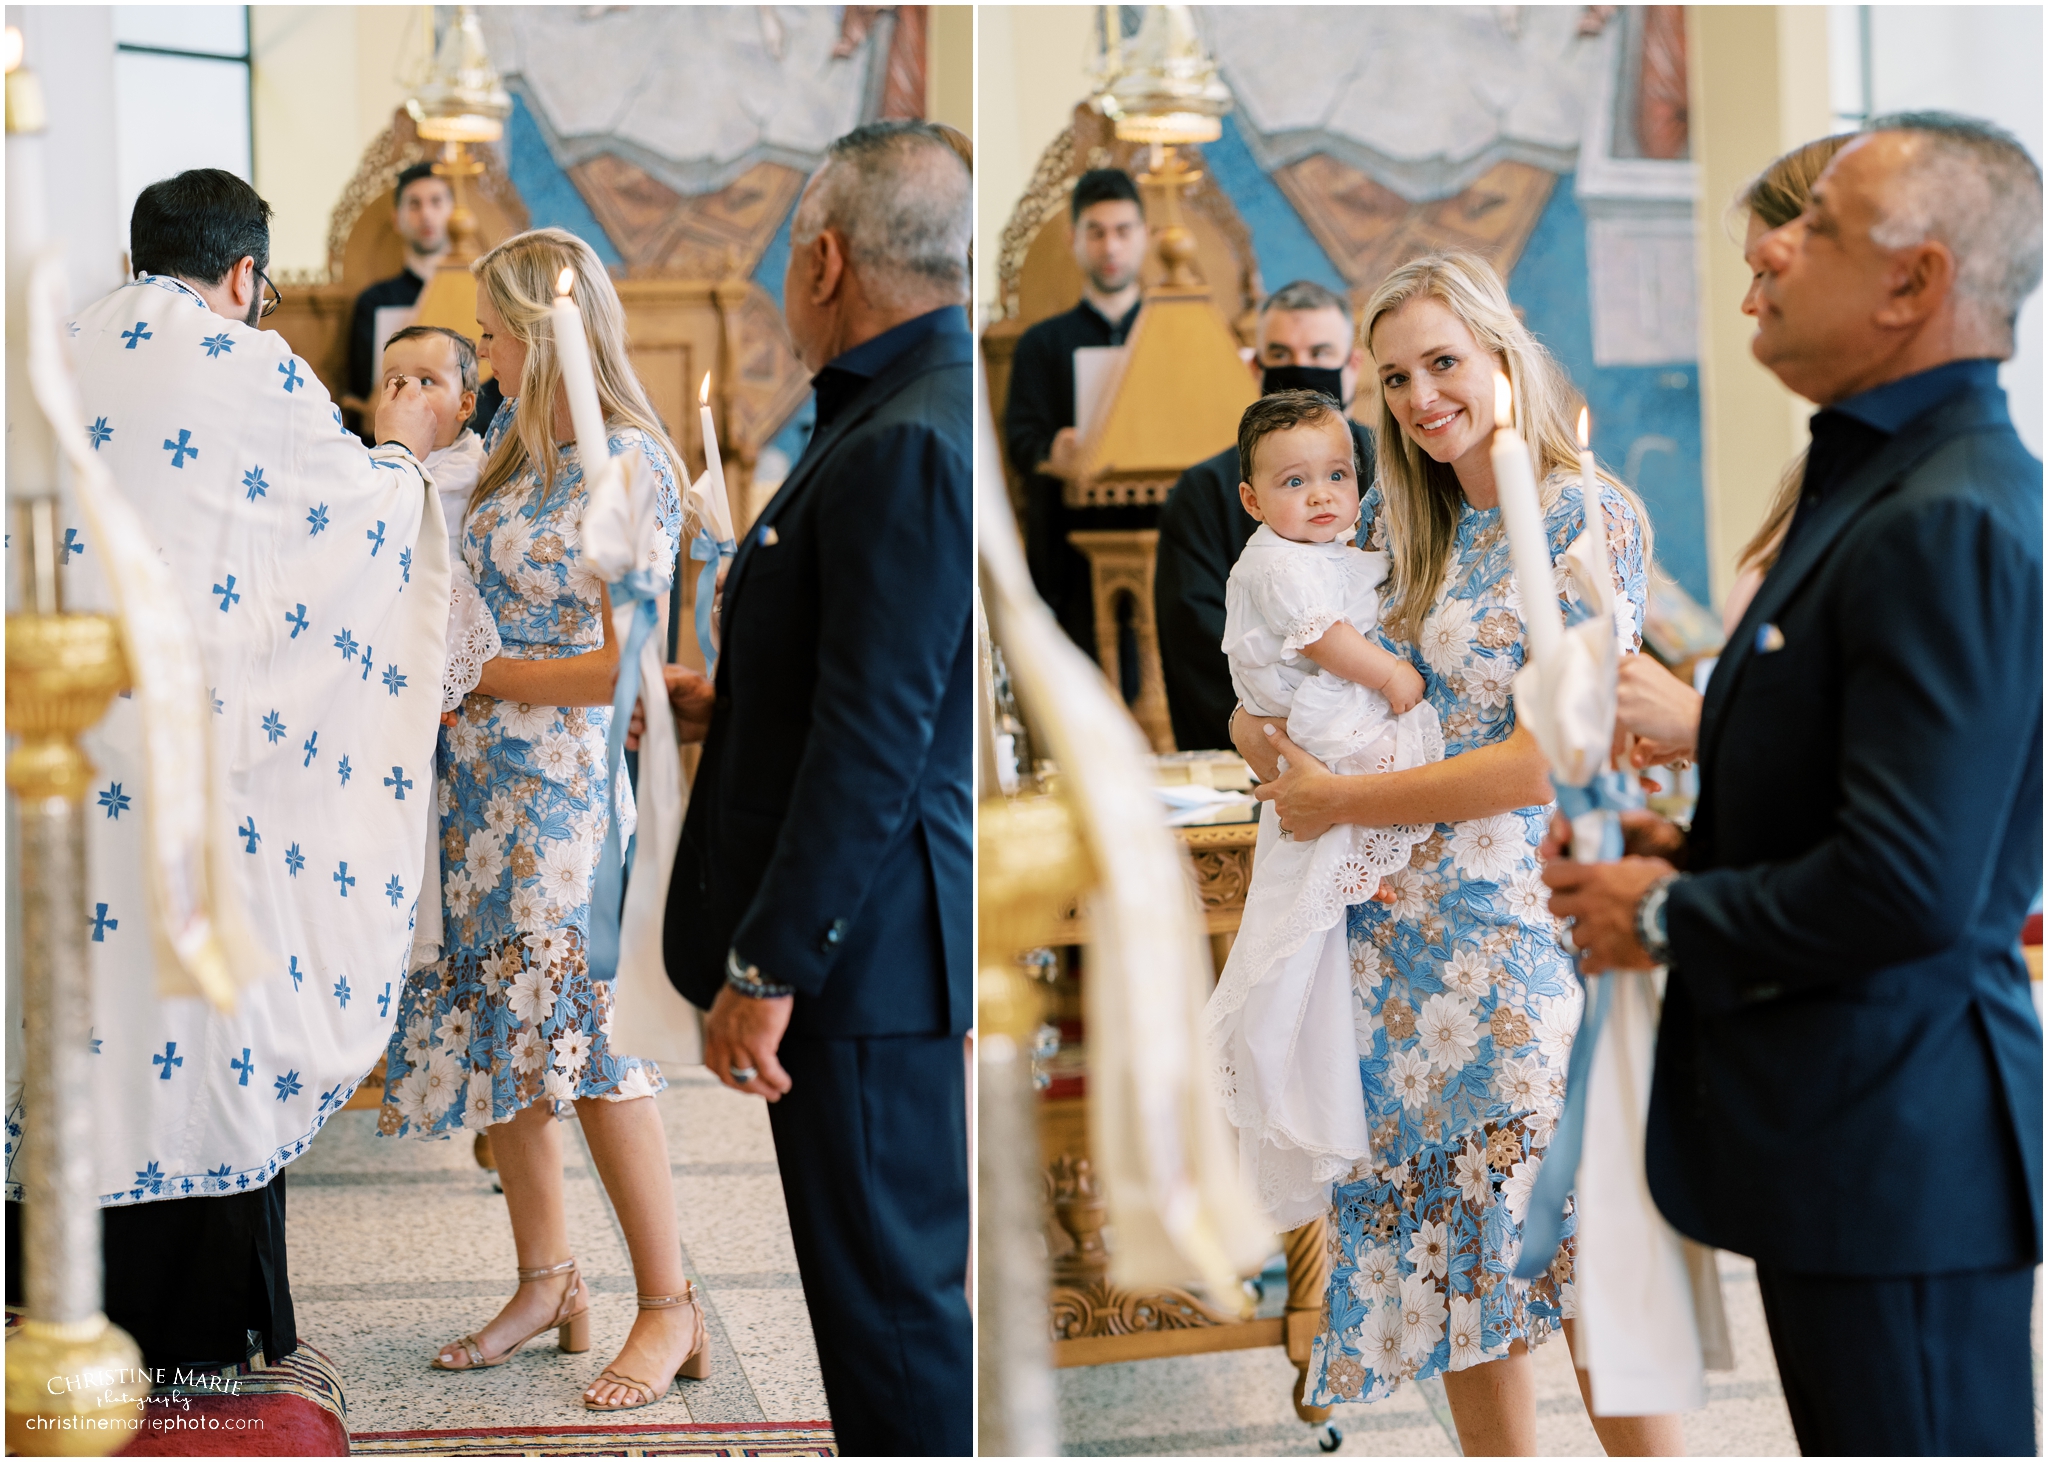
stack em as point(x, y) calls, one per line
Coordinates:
point(397, 1247)
point(1239, 1403)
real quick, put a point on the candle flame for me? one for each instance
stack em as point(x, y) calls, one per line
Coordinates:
point(1585, 429)
point(12, 50)
point(565, 282)
point(1503, 402)
point(704, 391)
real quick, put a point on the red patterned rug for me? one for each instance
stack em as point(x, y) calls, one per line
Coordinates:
point(292, 1409)
point(709, 1439)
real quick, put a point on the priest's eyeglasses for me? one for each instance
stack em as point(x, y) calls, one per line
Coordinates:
point(274, 298)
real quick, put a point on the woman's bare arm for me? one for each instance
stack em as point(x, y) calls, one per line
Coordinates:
point(574, 680)
point(1310, 799)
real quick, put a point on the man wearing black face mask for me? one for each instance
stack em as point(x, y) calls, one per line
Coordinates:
point(1305, 342)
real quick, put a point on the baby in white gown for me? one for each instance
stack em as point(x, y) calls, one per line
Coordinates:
point(1298, 608)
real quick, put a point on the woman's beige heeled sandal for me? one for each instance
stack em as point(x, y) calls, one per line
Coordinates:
point(696, 1365)
point(572, 1329)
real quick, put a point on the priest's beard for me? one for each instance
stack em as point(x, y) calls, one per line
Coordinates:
point(255, 309)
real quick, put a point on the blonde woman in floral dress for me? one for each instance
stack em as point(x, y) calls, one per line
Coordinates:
point(1465, 1004)
point(509, 1028)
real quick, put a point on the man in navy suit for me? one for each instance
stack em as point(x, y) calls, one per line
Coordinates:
point(822, 902)
point(1848, 1082)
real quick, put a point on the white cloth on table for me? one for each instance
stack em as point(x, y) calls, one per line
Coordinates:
point(316, 573)
point(1281, 1046)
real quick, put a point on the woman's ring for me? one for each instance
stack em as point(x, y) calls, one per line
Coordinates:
point(741, 1074)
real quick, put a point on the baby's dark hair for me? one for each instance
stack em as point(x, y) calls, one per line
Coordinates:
point(465, 348)
point(1283, 411)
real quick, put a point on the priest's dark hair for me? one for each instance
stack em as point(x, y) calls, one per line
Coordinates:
point(1284, 411)
point(198, 226)
point(1103, 185)
point(465, 348)
point(412, 175)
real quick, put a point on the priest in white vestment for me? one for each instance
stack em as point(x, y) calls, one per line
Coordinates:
point(315, 571)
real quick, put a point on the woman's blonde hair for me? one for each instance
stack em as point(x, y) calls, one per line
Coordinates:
point(1421, 495)
point(519, 278)
point(1776, 196)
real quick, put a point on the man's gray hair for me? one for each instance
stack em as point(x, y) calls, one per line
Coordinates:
point(1973, 187)
point(1304, 295)
point(902, 198)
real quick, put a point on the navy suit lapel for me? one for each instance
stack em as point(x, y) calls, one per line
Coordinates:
point(1867, 485)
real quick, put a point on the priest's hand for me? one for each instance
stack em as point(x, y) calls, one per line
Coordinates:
point(1600, 901)
point(690, 699)
point(405, 416)
point(743, 1033)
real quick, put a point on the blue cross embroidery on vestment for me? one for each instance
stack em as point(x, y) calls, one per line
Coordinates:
point(71, 546)
point(294, 860)
point(241, 1182)
point(215, 699)
point(297, 620)
point(393, 681)
point(384, 1002)
point(249, 831)
point(288, 1086)
point(114, 800)
point(169, 1059)
point(292, 379)
point(346, 643)
point(99, 433)
point(92, 1040)
point(368, 652)
point(139, 334)
point(318, 518)
point(344, 770)
point(394, 890)
point(405, 564)
point(311, 748)
point(245, 1066)
point(273, 727)
point(376, 537)
point(228, 595)
point(72, 326)
point(151, 1177)
point(398, 780)
point(346, 879)
point(342, 991)
point(253, 480)
point(221, 1173)
point(215, 344)
point(101, 923)
point(296, 973)
point(181, 448)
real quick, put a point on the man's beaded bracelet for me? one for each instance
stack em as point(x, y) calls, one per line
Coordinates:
point(747, 980)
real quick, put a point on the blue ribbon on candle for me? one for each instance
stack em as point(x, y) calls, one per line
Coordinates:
point(643, 589)
point(709, 551)
point(1601, 801)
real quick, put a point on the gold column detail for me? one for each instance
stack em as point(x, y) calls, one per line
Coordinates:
point(1124, 561)
point(65, 1363)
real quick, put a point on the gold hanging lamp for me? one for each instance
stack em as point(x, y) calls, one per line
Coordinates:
point(461, 102)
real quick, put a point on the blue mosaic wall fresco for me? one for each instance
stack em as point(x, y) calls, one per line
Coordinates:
point(1646, 419)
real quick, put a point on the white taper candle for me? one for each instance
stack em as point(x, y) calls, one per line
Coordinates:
point(1514, 480)
point(579, 380)
point(1589, 494)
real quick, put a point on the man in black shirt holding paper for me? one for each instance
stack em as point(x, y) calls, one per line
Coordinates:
point(1305, 342)
point(1038, 423)
point(420, 208)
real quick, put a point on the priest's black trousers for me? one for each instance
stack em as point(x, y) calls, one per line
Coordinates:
point(1919, 1365)
point(872, 1143)
point(190, 1279)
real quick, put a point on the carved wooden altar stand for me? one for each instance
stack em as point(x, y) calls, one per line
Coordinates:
point(1094, 1322)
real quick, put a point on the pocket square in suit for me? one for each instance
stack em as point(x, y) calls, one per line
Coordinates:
point(769, 537)
point(1769, 638)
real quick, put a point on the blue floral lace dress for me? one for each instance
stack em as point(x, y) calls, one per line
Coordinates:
point(509, 1014)
point(1465, 1007)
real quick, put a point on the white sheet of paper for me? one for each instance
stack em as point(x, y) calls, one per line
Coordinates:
point(1096, 368)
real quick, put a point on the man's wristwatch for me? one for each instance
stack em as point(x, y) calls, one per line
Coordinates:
point(1651, 932)
point(747, 980)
